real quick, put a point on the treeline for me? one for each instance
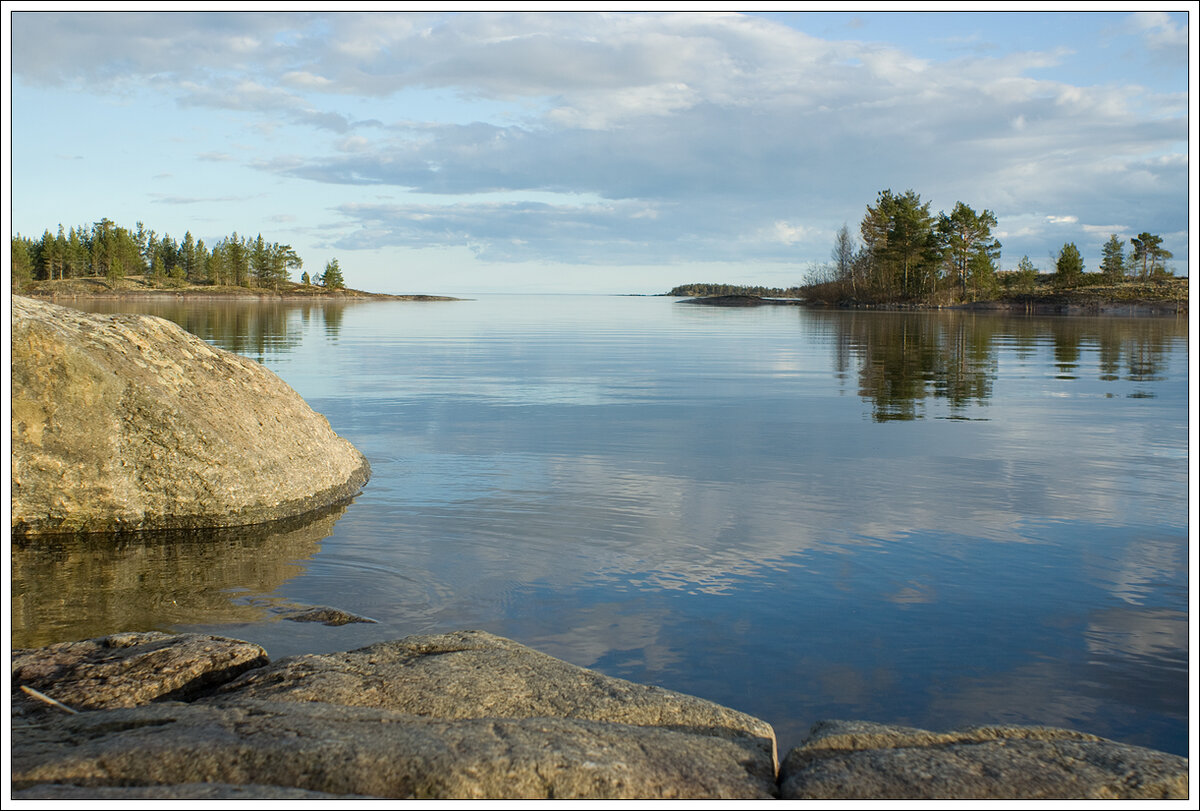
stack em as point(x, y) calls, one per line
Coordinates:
point(908, 254)
point(107, 250)
point(735, 290)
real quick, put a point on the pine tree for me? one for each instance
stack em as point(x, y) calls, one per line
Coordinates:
point(1148, 250)
point(260, 262)
point(332, 279)
point(970, 250)
point(1069, 266)
point(188, 258)
point(22, 264)
point(1112, 266)
point(898, 232)
point(1026, 276)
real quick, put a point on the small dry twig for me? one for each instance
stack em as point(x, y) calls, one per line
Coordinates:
point(52, 702)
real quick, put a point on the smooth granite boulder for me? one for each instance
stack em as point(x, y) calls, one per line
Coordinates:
point(129, 422)
point(856, 760)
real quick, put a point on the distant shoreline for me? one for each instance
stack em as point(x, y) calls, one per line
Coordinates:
point(1047, 307)
point(1128, 299)
point(137, 289)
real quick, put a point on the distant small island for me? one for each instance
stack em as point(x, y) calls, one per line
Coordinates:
point(1161, 296)
point(912, 259)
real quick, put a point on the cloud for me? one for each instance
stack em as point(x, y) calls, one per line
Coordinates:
point(1060, 219)
point(716, 128)
point(1159, 32)
point(173, 200)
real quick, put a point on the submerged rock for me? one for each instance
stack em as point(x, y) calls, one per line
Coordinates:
point(324, 614)
point(128, 422)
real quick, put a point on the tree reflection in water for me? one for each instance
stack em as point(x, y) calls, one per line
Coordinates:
point(906, 361)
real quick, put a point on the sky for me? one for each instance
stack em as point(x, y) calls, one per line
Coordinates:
point(459, 151)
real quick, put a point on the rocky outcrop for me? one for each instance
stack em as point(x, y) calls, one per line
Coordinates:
point(129, 422)
point(513, 723)
point(129, 670)
point(468, 715)
point(854, 760)
point(439, 676)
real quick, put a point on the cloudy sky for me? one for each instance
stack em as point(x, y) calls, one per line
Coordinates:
point(467, 152)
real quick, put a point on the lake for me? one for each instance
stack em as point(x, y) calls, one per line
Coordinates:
point(930, 519)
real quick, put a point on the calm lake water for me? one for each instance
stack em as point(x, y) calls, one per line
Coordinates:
point(932, 519)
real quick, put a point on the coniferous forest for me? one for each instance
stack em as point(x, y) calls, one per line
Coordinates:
point(110, 251)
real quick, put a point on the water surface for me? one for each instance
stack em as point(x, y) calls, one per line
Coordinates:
point(933, 519)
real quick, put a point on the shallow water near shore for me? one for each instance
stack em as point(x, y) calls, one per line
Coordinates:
point(931, 519)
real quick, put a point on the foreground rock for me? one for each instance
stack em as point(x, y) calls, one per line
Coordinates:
point(129, 422)
point(511, 723)
point(469, 715)
point(853, 760)
point(129, 670)
point(473, 674)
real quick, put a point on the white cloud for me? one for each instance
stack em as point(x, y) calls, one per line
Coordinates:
point(1159, 31)
point(1105, 230)
point(697, 130)
point(789, 233)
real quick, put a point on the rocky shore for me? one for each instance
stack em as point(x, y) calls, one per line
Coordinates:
point(468, 715)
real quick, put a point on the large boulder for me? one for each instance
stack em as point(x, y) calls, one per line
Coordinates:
point(128, 422)
point(857, 760)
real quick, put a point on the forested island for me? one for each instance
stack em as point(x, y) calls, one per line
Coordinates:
point(110, 260)
point(910, 257)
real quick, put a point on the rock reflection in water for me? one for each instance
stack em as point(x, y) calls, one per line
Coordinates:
point(76, 587)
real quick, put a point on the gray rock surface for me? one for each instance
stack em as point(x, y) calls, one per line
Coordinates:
point(474, 674)
point(127, 422)
point(128, 670)
point(856, 760)
point(359, 750)
point(468, 715)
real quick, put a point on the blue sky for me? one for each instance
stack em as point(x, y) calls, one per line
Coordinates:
point(467, 152)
